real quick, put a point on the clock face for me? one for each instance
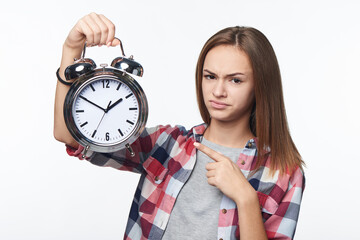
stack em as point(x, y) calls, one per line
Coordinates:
point(106, 111)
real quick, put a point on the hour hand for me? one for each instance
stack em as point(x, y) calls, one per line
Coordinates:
point(113, 105)
point(92, 103)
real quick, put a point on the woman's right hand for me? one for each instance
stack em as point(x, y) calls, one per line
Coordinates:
point(93, 28)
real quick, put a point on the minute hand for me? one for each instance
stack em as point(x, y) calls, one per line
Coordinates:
point(113, 105)
point(92, 103)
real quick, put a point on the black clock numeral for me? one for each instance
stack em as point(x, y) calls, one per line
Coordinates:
point(105, 83)
point(133, 108)
point(80, 111)
point(107, 137)
point(92, 87)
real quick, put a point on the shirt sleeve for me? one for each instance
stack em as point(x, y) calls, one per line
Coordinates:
point(282, 224)
point(121, 159)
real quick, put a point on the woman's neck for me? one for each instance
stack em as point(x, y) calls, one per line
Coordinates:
point(233, 134)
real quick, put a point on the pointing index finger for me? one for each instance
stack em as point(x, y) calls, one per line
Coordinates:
point(217, 157)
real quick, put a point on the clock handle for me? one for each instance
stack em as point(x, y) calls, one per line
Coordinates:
point(121, 47)
point(128, 65)
point(84, 65)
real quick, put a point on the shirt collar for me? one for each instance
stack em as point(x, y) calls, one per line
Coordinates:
point(199, 130)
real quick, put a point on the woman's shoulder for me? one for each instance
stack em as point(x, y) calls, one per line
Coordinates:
point(276, 184)
point(292, 176)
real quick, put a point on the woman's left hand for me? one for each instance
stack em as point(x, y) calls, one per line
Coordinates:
point(227, 176)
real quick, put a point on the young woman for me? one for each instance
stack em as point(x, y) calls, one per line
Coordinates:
point(237, 175)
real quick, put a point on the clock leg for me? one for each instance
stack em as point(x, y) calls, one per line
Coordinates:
point(128, 147)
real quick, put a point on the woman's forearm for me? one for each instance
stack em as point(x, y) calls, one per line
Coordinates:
point(250, 220)
point(61, 132)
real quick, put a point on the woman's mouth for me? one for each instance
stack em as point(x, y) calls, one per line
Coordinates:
point(218, 105)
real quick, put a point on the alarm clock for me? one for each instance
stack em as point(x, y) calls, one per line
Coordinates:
point(105, 109)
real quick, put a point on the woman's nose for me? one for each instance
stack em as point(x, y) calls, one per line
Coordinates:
point(219, 89)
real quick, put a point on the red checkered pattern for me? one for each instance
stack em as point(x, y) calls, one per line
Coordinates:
point(165, 157)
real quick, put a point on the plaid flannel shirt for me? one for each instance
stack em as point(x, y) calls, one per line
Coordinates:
point(165, 157)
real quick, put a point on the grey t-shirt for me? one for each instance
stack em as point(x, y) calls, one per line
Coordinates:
point(196, 211)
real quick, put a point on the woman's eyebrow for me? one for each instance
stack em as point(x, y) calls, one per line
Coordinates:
point(234, 74)
point(205, 70)
point(228, 75)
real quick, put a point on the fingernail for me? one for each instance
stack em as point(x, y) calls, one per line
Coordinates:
point(108, 44)
point(196, 144)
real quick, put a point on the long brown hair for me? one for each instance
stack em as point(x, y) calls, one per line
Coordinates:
point(268, 117)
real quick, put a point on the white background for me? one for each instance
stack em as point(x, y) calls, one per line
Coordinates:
point(44, 194)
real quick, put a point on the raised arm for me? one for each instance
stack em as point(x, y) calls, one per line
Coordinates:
point(95, 29)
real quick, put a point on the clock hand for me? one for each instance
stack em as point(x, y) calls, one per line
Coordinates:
point(92, 103)
point(113, 105)
point(101, 119)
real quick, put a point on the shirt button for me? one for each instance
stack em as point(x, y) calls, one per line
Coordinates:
point(250, 144)
point(224, 211)
point(156, 178)
point(242, 162)
point(220, 239)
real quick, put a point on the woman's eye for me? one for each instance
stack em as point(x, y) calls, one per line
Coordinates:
point(209, 77)
point(236, 80)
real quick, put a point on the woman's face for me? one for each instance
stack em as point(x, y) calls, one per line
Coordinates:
point(228, 84)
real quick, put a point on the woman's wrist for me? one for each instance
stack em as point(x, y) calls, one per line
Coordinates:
point(247, 198)
point(71, 51)
point(74, 41)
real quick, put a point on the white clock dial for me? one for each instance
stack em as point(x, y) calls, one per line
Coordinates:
point(106, 111)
